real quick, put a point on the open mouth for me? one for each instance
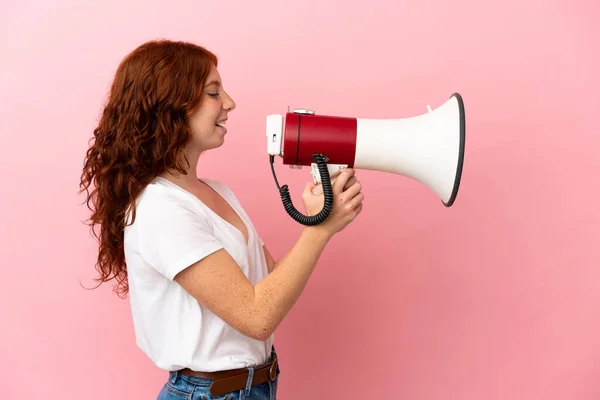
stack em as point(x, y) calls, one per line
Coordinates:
point(221, 123)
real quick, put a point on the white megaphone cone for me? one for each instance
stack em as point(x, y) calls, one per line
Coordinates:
point(428, 148)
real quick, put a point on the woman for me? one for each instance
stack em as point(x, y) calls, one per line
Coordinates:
point(206, 295)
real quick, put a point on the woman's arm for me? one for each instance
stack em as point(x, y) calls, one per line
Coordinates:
point(217, 281)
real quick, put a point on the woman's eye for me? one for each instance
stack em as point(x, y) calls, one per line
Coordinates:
point(213, 94)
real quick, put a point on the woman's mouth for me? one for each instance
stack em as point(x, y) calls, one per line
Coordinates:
point(221, 124)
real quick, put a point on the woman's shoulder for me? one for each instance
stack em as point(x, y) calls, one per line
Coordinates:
point(161, 192)
point(161, 197)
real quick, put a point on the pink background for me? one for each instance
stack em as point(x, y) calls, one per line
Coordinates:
point(495, 298)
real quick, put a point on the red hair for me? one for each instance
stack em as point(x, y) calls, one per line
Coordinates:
point(143, 131)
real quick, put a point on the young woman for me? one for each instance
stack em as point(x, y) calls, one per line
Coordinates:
point(206, 295)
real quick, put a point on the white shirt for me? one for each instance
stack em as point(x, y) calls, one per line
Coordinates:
point(172, 230)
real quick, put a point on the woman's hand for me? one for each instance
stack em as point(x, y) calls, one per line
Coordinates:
point(347, 200)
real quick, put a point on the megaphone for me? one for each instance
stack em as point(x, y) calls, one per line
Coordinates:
point(428, 148)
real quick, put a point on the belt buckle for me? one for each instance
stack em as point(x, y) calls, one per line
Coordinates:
point(273, 370)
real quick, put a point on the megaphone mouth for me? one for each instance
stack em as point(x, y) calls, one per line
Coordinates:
point(461, 152)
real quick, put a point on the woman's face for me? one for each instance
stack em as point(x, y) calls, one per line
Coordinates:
point(208, 121)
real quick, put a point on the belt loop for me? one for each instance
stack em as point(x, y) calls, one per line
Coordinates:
point(173, 377)
point(248, 388)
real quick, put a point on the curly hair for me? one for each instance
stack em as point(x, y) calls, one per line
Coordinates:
point(142, 132)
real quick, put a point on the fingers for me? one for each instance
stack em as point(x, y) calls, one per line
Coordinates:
point(346, 180)
point(317, 189)
point(351, 192)
point(355, 201)
point(342, 179)
point(357, 210)
point(350, 182)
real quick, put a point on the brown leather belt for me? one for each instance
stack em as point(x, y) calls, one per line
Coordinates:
point(236, 379)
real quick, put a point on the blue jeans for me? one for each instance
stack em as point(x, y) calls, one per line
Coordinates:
point(185, 387)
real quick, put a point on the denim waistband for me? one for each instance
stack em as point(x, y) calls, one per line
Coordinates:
point(173, 375)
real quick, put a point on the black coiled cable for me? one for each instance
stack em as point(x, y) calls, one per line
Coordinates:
point(321, 162)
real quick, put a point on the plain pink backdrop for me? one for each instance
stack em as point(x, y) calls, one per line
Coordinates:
point(496, 298)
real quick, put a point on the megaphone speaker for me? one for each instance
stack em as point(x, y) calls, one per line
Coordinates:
point(428, 148)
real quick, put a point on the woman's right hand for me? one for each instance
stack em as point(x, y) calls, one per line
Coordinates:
point(347, 200)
